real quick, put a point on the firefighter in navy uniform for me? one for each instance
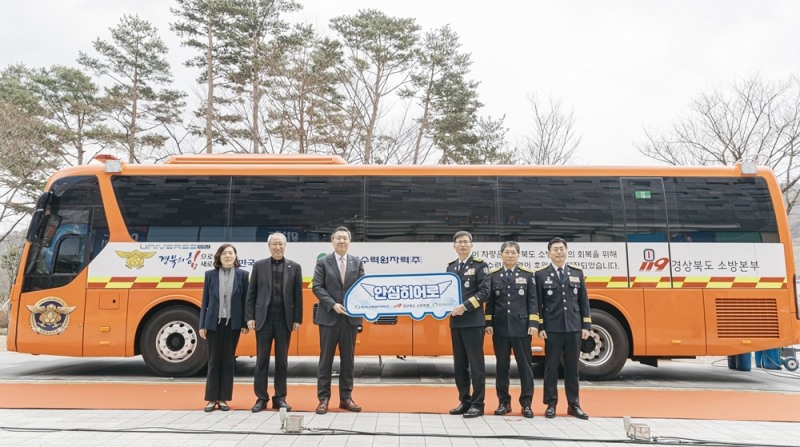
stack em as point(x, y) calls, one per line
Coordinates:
point(467, 325)
point(565, 320)
point(512, 318)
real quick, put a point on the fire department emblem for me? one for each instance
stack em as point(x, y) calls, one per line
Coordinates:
point(50, 316)
point(135, 259)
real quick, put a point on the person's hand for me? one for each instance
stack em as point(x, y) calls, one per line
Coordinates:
point(245, 331)
point(489, 330)
point(295, 326)
point(339, 309)
point(251, 324)
point(202, 333)
point(584, 334)
point(458, 310)
point(532, 331)
point(543, 334)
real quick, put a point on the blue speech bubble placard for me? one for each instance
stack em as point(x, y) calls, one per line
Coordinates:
point(415, 295)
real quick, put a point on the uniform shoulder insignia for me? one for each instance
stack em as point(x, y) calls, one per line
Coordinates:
point(525, 269)
point(575, 267)
point(496, 269)
point(453, 261)
point(477, 259)
point(542, 268)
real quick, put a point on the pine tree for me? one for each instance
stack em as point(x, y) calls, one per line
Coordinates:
point(379, 51)
point(134, 62)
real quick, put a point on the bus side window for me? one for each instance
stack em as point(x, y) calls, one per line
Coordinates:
point(69, 257)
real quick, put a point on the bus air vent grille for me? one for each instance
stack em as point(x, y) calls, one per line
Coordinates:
point(747, 318)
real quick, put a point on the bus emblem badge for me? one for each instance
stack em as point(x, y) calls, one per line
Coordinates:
point(50, 316)
point(135, 259)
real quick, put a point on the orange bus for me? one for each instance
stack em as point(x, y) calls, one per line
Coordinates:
point(680, 261)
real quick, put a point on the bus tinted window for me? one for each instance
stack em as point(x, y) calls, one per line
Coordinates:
point(173, 209)
point(575, 208)
point(720, 210)
point(402, 209)
point(305, 209)
point(81, 234)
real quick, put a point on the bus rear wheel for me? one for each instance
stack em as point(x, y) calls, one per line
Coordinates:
point(170, 343)
point(611, 350)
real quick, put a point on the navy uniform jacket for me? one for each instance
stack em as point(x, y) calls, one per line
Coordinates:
point(512, 307)
point(474, 291)
point(565, 304)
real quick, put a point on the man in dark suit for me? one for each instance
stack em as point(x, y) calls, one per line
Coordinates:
point(333, 277)
point(565, 320)
point(467, 325)
point(274, 308)
point(512, 317)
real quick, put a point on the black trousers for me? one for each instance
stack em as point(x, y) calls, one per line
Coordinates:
point(522, 354)
point(273, 330)
point(469, 365)
point(556, 346)
point(221, 354)
point(343, 335)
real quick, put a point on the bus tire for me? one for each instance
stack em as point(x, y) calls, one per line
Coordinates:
point(611, 352)
point(170, 343)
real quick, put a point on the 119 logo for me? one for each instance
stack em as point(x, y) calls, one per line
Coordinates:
point(650, 262)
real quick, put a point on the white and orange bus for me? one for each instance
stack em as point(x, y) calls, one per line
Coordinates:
point(680, 262)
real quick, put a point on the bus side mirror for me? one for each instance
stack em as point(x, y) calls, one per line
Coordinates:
point(35, 227)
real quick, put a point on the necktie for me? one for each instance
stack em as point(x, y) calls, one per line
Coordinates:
point(460, 266)
point(560, 274)
point(342, 268)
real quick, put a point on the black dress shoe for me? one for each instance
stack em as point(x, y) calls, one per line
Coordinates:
point(574, 410)
point(210, 407)
point(260, 405)
point(527, 412)
point(223, 405)
point(277, 404)
point(473, 412)
point(550, 413)
point(322, 408)
point(504, 408)
point(460, 409)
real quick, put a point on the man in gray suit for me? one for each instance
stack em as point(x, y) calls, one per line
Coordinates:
point(274, 308)
point(333, 277)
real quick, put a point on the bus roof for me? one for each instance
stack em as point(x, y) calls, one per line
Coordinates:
point(270, 164)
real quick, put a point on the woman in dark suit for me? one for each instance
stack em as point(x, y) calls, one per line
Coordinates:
point(221, 322)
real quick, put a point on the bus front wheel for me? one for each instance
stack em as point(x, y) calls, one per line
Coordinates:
point(170, 343)
point(611, 348)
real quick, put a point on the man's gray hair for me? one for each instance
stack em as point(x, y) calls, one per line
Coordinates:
point(276, 234)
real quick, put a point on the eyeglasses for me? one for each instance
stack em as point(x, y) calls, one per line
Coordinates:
point(463, 242)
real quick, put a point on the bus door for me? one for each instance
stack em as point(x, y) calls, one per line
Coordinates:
point(674, 318)
point(51, 312)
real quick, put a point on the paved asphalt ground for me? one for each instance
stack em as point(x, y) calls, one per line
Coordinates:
point(242, 428)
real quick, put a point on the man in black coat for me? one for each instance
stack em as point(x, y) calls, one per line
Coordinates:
point(467, 324)
point(333, 277)
point(566, 319)
point(274, 308)
point(512, 318)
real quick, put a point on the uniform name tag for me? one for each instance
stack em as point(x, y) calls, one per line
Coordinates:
point(469, 272)
point(521, 281)
point(574, 279)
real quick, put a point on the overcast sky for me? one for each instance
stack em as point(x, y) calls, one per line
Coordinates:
point(621, 65)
